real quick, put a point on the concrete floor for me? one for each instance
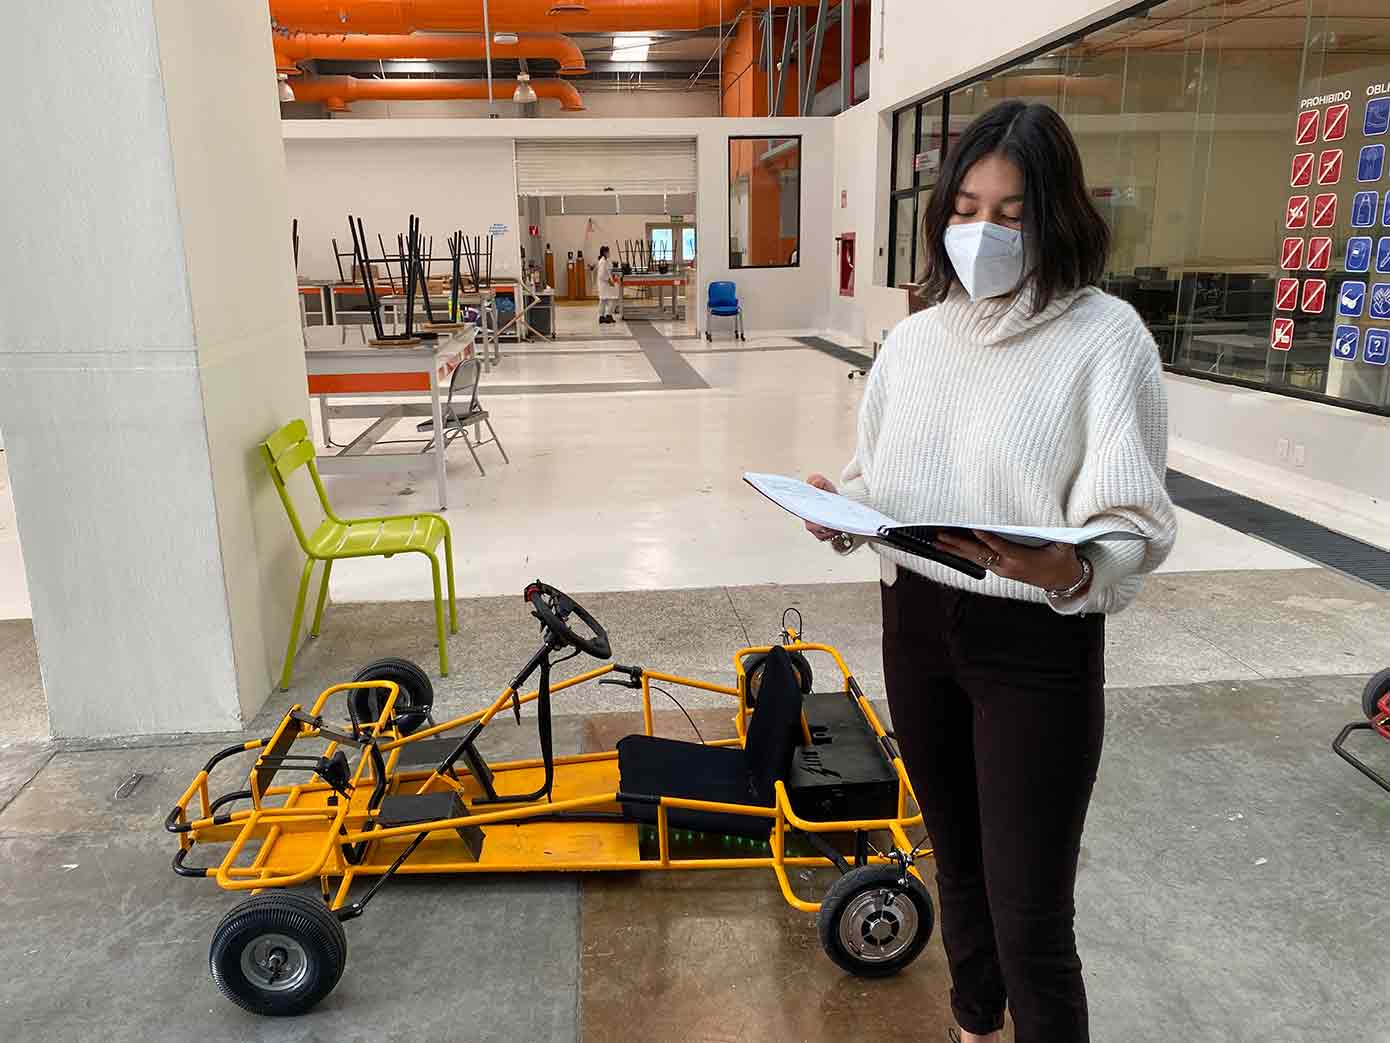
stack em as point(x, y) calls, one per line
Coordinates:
point(1230, 887)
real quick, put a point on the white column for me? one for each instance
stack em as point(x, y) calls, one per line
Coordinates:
point(149, 339)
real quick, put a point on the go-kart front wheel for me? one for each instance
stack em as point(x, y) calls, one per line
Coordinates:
point(278, 953)
point(1377, 688)
point(414, 702)
point(872, 924)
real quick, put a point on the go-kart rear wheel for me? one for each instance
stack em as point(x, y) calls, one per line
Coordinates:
point(872, 924)
point(414, 702)
point(1376, 689)
point(278, 953)
point(753, 675)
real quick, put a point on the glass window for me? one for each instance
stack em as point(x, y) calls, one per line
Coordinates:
point(905, 136)
point(687, 244)
point(1238, 161)
point(764, 202)
point(662, 244)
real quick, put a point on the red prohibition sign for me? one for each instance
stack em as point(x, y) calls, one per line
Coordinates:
point(1291, 257)
point(1307, 127)
point(1319, 253)
point(1296, 214)
point(1330, 166)
point(1325, 210)
point(1286, 295)
point(1301, 172)
point(1314, 295)
point(1281, 334)
point(1334, 124)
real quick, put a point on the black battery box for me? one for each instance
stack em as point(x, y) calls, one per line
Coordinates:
point(844, 772)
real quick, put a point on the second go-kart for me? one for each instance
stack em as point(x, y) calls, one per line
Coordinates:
point(811, 779)
point(1375, 704)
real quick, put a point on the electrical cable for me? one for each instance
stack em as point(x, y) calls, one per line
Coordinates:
point(682, 709)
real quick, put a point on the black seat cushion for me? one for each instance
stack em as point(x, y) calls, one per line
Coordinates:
point(657, 767)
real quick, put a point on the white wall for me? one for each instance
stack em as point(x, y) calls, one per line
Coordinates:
point(449, 183)
point(774, 299)
point(155, 181)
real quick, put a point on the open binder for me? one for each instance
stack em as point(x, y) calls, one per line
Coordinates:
point(844, 515)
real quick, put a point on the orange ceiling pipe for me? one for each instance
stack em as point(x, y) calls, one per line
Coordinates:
point(559, 16)
point(293, 48)
point(340, 91)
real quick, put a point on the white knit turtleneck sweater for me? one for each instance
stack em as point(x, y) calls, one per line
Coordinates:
point(983, 413)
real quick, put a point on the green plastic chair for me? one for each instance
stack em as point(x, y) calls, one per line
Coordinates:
point(285, 452)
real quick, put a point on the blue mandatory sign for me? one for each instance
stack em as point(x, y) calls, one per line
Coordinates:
point(1385, 216)
point(1377, 347)
point(1372, 163)
point(1344, 341)
point(1383, 255)
point(1377, 117)
point(1358, 254)
point(1380, 301)
point(1363, 209)
point(1351, 298)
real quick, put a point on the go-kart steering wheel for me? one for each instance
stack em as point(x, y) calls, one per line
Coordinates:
point(553, 608)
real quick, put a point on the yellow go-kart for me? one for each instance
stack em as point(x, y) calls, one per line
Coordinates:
point(811, 779)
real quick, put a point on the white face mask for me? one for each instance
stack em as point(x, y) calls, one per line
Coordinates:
point(988, 258)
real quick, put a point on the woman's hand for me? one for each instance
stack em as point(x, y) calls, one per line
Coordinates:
point(820, 532)
point(1051, 567)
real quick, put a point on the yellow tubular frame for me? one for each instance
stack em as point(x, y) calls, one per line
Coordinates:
point(242, 826)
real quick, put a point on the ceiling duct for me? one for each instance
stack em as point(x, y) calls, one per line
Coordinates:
point(338, 92)
point(291, 48)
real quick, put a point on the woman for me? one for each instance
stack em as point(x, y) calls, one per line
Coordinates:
point(609, 293)
point(1023, 396)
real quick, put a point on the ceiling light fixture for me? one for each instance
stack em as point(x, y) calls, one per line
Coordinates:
point(524, 93)
point(506, 39)
point(286, 91)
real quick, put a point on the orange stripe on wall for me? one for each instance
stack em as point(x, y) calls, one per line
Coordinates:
point(354, 383)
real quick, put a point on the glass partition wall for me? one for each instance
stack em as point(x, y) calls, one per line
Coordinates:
point(764, 202)
point(1237, 151)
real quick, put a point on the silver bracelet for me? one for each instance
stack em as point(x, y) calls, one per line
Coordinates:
point(1087, 571)
point(842, 543)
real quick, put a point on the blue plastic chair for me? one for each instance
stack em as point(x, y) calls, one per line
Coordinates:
point(723, 300)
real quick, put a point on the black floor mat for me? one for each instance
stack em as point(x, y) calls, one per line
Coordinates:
point(1343, 554)
point(849, 356)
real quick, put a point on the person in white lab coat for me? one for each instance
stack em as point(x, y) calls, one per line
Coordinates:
point(609, 293)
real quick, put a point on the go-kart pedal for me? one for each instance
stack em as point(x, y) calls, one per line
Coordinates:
point(413, 809)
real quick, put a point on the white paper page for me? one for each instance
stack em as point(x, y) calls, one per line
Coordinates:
point(836, 512)
point(818, 506)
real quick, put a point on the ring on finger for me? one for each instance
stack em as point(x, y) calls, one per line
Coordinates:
point(991, 561)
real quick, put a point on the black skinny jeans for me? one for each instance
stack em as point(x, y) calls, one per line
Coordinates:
point(999, 709)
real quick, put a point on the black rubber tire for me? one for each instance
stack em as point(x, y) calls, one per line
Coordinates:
point(709, 337)
point(752, 669)
point(1375, 690)
point(414, 702)
point(841, 897)
point(305, 920)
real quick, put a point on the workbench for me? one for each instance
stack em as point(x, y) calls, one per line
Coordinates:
point(659, 282)
point(341, 363)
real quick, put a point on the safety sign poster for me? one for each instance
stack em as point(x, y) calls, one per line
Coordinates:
point(1334, 250)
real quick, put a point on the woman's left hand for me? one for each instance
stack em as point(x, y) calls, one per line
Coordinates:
point(1051, 567)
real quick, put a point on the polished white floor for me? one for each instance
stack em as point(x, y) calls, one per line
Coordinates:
point(636, 489)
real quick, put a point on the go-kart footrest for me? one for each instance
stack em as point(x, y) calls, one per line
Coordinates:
point(416, 809)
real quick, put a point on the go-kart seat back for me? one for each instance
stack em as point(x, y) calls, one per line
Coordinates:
point(655, 767)
point(774, 730)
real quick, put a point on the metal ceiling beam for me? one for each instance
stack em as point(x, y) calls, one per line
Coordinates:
point(846, 60)
point(808, 89)
point(799, 20)
point(781, 92)
point(679, 68)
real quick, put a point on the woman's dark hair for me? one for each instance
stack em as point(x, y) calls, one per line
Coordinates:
point(603, 251)
point(1066, 238)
